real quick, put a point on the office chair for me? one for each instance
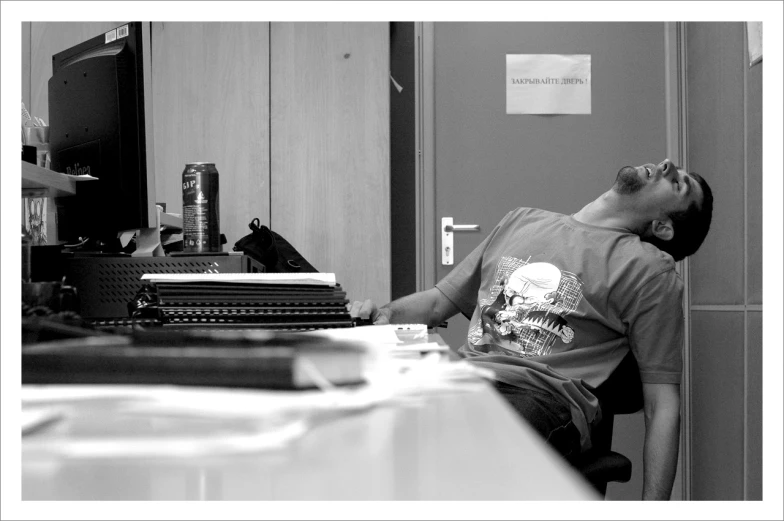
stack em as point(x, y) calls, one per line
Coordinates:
point(620, 394)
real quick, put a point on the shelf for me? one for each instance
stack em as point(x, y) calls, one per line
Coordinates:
point(41, 182)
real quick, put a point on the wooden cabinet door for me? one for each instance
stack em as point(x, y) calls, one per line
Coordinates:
point(330, 149)
point(211, 103)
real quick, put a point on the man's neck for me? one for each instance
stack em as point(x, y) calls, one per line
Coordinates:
point(607, 211)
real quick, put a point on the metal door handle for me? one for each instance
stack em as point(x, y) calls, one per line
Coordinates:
point(447, 239)
point(461, 228)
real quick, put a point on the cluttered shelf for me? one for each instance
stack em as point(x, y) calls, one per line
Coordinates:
point(42, 182)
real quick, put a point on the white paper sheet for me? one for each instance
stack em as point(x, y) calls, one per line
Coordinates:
point(172, 421)
point(548, 83)
point(754, 32)
point(374, 335)
point(425, 347)
point(319, 279)
point(34, 419)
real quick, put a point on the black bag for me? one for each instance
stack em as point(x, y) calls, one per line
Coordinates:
point(272, 250)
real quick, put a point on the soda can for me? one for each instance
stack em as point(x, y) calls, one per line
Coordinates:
point(200, 208)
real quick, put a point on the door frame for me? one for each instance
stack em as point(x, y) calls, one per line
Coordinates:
point(425, 176)
point(426, 220)
point(677, 149)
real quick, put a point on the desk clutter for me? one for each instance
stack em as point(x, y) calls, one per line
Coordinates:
point(106, 284)
point(276, 301)
point(250, 359)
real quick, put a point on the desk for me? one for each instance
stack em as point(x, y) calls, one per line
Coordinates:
point(459, 444)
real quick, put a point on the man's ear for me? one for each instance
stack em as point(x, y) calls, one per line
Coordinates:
point(662, 229)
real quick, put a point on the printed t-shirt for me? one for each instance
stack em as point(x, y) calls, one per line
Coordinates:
point(556, 304)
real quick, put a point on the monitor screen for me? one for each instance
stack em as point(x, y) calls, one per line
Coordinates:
point(101, 125)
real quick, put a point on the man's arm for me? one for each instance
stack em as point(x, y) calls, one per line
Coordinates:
point(429, 307)
point(662, 435)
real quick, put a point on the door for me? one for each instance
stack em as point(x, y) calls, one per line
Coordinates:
point(488, 163)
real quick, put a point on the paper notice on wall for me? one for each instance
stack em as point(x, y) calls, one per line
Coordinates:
point(548, 83)
point(754, 32)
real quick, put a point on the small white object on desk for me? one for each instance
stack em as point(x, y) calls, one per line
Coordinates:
point(419, 328)
point(425, 347)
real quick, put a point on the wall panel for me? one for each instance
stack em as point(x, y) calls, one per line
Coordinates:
point(725, 140)
point(716, 150)
point(211, 103)
point(717, 341)
point(754, 403)
point(330, 149)
point(26, 26)
point(46, 39)
point(754, 182)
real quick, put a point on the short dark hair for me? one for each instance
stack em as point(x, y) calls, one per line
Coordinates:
point(690, 226)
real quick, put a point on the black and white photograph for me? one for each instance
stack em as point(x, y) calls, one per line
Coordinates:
point(392, 260)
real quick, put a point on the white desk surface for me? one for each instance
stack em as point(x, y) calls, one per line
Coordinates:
point(454, 445)
point(460, 443)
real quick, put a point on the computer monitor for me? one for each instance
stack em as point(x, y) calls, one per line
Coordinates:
point(100, 119)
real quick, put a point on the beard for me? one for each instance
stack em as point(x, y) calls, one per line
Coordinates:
point(628, 182)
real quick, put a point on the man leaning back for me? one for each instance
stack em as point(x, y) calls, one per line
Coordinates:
point(556, 302)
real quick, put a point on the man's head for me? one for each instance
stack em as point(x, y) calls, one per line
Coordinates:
point(675, 206)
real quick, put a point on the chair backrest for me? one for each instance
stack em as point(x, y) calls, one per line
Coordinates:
point(621, 393)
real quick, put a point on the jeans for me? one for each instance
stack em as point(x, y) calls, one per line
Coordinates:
point(548, 414)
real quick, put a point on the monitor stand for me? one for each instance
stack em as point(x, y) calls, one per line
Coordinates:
point(148, 243)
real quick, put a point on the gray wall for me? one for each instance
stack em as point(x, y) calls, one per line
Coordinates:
point(725, 146)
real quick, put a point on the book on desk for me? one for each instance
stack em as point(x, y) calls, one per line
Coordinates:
point(251, 359)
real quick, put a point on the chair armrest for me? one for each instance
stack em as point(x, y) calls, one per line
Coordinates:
point(604, 467)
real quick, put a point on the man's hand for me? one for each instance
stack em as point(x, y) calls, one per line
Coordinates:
point(430, 307)
point(367, 310)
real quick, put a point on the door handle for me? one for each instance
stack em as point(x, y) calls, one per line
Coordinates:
point(461, 228)
point(447, 238)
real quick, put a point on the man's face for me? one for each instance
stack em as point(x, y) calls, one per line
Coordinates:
point(659, 189)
